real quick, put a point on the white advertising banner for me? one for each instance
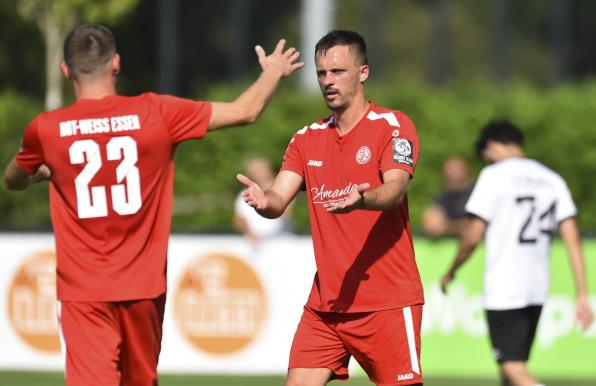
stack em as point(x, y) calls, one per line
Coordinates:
point(232, 307)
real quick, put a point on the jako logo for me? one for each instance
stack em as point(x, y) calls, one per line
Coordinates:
point(32, 302)
point(220, 304)
point(405, 377)
point(312, 162)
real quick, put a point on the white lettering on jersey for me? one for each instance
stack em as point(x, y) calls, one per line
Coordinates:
point(389, 117)
point(315, 163)
point(321, 195)
point(99, 125)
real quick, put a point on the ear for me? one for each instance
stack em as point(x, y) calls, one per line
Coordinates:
point(116, 64)
point(363, 73)
point(65, 70)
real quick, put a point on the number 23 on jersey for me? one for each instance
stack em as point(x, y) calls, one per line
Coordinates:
point(126, 194)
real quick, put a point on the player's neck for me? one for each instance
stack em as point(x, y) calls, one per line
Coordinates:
point(345, 120)
point(511, 152)
point(94, 88)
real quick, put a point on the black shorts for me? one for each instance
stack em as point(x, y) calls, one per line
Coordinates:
point(512, 332)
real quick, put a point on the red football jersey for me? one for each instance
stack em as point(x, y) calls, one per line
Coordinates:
point(365, 259)
point(111, 189)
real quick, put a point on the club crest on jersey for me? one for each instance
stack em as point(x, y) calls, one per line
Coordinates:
point(363, 155)
point(403, 151)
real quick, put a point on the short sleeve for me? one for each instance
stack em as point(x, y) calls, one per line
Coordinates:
point(482, 201)
point(184, 118)
point(565, 206)
point(399, 146)
point(30, 156)
point(292, 160)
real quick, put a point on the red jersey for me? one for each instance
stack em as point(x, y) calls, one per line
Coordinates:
point(365, 259)
point(111, 189)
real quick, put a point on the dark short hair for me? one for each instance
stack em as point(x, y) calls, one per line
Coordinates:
point(88, 48)
point(501, 131)
point(343, 38)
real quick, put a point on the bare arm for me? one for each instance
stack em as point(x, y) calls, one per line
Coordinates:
point(388, 195)
point(251, 103)
point(572, 239)
point(273, 202)
point(15, 178)
point(471, 236)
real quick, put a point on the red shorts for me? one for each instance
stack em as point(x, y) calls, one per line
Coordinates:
point(112, 343)
point(385, 343)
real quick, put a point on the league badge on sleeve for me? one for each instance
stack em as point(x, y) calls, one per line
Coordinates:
point(403, 150)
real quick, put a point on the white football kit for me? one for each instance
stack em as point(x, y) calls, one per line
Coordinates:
point(523, 203)
point(262, 227)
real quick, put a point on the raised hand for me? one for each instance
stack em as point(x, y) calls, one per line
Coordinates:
point(253, 195)
point(354, 201)
point(283, 62)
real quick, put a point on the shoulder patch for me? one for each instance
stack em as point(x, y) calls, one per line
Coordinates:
point(403, 151)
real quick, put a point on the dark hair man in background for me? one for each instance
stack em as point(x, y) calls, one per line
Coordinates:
point(517, 205)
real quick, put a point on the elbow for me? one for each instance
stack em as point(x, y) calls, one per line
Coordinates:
point(250, 116)
point(247, 112)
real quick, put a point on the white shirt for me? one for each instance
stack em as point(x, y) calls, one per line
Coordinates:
point(523, 203)
point(260, 226)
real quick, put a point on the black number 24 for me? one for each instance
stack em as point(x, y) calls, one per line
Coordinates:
point(546, 220)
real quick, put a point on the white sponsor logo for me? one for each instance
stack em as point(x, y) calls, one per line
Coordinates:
point(405, 377)
point(316, 163)
point(321, 195)
point(363, 155)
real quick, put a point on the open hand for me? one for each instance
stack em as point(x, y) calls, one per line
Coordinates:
point(283, 62)
point(253, 195)
point(355, 200)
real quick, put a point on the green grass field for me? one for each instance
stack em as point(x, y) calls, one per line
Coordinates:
point(56, 379)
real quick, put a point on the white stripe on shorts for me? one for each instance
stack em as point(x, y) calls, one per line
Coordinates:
point(61, 333)
point(411, 339)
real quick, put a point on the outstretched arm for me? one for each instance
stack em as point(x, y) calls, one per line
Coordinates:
point(15, 178)
point(273, 202)
point(471, 236)
point(251, 103)
point(571, 237)
point(388, 195)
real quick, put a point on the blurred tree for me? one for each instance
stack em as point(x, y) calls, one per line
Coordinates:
point(439, 62)
point(54, 19)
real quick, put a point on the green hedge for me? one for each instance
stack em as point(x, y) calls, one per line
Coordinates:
point(558, 125)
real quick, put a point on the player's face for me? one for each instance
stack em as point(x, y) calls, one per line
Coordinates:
point(340, 76)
